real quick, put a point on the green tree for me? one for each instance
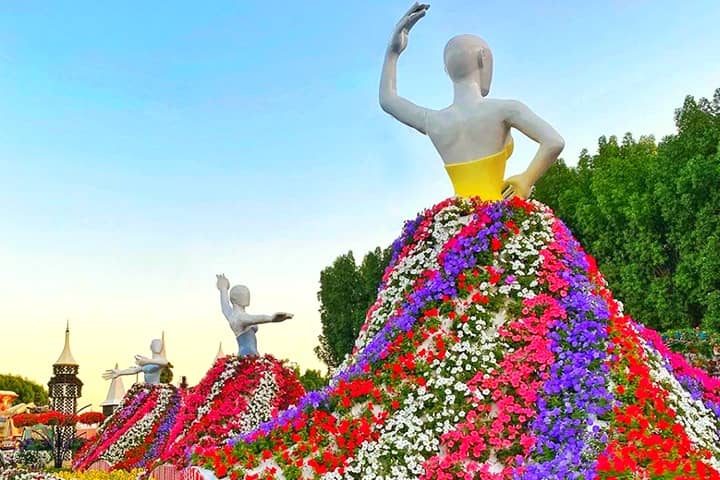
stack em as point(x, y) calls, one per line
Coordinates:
point(689, 175)
point(347, 290)
point(312, 379)
point(649, 213)
point(166, 374)
point(27, 390)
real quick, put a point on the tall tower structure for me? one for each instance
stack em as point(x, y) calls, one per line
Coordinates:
point(64, 388)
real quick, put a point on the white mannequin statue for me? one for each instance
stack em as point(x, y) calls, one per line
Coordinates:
point(244, 325)
point(473, 126)
point(150, 367)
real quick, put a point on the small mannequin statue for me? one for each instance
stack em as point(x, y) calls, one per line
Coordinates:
point(472, 135)
point(244, 325)
point(150, 367)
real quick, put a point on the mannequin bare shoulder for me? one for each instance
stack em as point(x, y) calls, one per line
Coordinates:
point(550, 145)
point(518, 115)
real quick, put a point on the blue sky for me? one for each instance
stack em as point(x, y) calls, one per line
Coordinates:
point(145, 147)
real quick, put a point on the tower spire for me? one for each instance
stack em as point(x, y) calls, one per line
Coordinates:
point(66, 357)
point(220, 352)
point(163, 353)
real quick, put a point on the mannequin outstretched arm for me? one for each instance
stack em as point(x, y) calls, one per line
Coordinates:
point(519, 116)
point(116, 372)
point(260, 319)
point(20, 408)
point(402, 109)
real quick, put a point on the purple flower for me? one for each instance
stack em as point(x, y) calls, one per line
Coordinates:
point(576, 393)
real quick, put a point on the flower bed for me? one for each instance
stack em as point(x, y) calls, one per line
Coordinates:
point(158, 424)
point(97, 475)
point(235, 396)
point(137, 433)
point(31, 459)
point(495, 351)
point(19, 474)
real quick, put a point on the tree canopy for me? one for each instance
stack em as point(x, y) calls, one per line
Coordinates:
point(649, 213)
point(27, 390)
point(311, 379)
point(346, 292)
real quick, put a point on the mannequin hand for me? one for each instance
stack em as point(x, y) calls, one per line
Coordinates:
point(399, 39)
point(281, 317)
point(222, 282)
point(110, 374)
point(517, 185)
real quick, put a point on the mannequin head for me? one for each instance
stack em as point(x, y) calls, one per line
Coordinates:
point(156, 346)
point(240, 296)
point(469, 57)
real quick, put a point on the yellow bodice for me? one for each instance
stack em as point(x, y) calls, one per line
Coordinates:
point(484, 177)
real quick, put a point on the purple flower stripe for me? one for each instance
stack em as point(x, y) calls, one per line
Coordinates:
point(576, 391)
point(163, 431)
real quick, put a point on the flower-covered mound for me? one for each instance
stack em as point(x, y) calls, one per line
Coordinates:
point(495, 351)
point(137, 433)
point(235, 396)
point(158, 424)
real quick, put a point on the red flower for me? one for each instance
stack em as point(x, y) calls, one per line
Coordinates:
point(91, 418)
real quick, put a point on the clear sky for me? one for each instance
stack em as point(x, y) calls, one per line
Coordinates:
point(145, 147)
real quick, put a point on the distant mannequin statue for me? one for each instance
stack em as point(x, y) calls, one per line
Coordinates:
point(244, 325)
point(472, 135)
point(150, 367)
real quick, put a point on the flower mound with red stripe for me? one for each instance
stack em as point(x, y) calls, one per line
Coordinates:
point(158, 424)
point(137, 432)
point(236, 395)
point(494, 350)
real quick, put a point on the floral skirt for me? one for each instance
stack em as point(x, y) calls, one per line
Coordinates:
point(494, 350)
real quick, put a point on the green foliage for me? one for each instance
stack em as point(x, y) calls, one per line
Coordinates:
point(166, 374)
point(347, 290)
point(702, 349)
point(77, 443)
point(27, 390)
point(32, 459)
point(312, 379)
point(35, 444)
point(649, 213)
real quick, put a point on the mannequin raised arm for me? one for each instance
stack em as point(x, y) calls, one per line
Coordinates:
point(519, 116)
point(402, 109)
point(223, 285)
